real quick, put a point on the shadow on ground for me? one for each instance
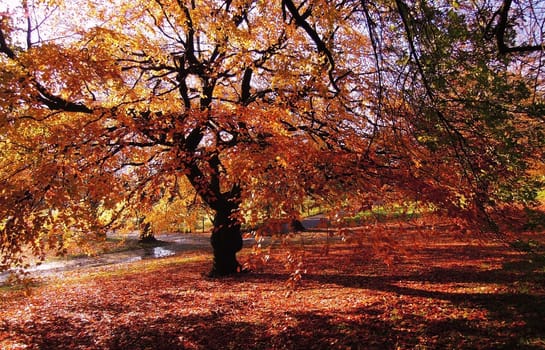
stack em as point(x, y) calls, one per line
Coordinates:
point(426, 307)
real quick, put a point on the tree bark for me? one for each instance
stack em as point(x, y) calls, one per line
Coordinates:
point(146, 235)
point(226, 240)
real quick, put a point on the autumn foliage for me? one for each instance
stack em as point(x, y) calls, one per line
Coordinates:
point(253, 108)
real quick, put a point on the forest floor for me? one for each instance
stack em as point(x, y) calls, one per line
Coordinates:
point(416, 289)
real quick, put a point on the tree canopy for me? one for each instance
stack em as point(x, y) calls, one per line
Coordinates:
point(252, 107)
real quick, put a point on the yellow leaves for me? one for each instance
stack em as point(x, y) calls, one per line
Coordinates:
point(280, 161)
point(173, 216)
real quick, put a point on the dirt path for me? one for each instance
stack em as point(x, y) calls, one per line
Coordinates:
point(167, 245)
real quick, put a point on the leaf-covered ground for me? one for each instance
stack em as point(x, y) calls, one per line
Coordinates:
point(443, 293)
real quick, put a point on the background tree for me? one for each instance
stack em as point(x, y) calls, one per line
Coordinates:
point(262, 103)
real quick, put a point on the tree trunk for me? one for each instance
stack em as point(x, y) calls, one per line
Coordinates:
point(226, 241)
point(226, 238)
point(146, 235)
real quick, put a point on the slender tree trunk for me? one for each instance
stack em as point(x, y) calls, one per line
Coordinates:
point(146, 235)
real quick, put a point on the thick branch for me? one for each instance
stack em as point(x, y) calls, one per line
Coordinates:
point(57, 103)
point(4, 47)
point(500, 33)
point(245, 88)
point(300, 21)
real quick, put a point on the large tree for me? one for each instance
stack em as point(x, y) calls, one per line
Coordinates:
point(260, 104)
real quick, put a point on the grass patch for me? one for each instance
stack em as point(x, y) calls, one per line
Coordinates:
point(383, 214)
point(133, 268)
